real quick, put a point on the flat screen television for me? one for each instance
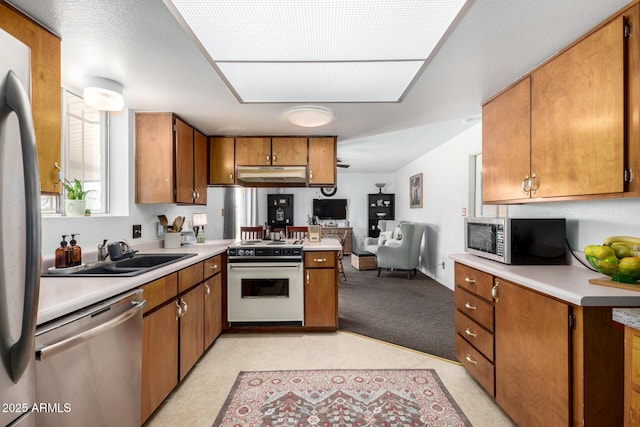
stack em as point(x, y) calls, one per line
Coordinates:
point(330, 208)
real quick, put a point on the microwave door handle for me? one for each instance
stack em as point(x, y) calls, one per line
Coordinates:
point(15, 98)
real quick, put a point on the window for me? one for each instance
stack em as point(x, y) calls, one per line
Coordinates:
point(85, 139)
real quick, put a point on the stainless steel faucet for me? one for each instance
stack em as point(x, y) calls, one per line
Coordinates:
point(102, 251)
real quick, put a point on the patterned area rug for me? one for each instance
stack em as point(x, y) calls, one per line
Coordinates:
point(395, 397)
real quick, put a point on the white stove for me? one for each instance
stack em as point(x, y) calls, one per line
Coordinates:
point(265, 285)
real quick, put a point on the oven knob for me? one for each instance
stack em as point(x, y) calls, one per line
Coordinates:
point(240, 252)
point(249, 252)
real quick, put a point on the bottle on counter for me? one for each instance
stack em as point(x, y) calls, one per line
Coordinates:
point(63, 254)
point(76, 251)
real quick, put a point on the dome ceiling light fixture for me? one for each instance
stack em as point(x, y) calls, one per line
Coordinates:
point(103, 94)
point(308, 116)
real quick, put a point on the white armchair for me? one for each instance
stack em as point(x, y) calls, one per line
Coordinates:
point(406, 254)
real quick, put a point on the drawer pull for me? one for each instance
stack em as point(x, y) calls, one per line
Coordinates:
point(468, 280)
point(470, 359)
point(471, 334)
point(319, 260)
point(208, 290)
point(469, 306)
point(494, 291)
point(214, 267)
point(179, 315)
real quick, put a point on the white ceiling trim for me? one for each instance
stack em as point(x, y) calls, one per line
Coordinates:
point(317, 50)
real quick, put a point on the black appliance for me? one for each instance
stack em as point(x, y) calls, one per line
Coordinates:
point(279, 211)
point(330, 208)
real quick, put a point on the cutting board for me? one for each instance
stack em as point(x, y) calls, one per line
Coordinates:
point(611, 283)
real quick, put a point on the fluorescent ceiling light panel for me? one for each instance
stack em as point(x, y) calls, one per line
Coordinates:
point(332, 42)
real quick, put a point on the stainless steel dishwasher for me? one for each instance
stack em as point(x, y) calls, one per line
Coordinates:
point(88, 365)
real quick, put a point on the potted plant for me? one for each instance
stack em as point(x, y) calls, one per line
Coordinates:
point(74, 204)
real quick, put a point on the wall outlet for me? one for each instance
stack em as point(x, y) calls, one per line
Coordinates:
point(137, 231)
point(159, 229)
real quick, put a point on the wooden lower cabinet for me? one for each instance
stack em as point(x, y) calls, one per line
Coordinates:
point(545, 361)
point(631, 377)
point(321, 289)
point(191, 328)
point(159, 343)
point(182, 318)
point(212, 309)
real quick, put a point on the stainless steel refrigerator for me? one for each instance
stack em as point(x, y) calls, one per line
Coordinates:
point(20, 236)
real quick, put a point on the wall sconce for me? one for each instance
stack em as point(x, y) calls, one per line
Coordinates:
point(199, 221)
point(103, 94)
point(308, 116)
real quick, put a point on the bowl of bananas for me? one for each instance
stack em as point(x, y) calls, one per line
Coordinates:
point(618, 257)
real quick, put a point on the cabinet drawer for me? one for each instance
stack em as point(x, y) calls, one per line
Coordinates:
point(476, 308)
point(190, 276)
point(319, 259)
point(477, 365)
point(475, 281)
point(475, 334)
point(160, 290)
point(212, 266)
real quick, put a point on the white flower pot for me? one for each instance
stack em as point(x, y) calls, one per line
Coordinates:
point(74, 207)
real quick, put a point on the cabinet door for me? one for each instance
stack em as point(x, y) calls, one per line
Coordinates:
point(506, 141)
point(578, 117)
point(320, 307)
point(289, 151)
point(200, 168)
point(154, 158)
point(159, 357)
point(532, 356)
point(253, 151)
point(222, 161)
point(212, 309)
point(184, 162)
point(322, 161)
point(191, 328)
point(45, 90)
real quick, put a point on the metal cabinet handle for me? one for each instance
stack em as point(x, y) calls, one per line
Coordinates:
point(468, 280)
point(533, 186)
point(208, 290)
point(231, 176)
point(273, 157)
point(307, 277)
point(469, 306)
point(319, 260)
point(494, 291)
point(184, 306)
point(179, 311)
point(214, 267)
point(470, 359)
point(267, 158)
point(526, 184)
point(471, 334)
point(310, 175)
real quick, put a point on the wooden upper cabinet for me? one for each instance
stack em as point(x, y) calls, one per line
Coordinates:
point(578, 117)
point(289, 151)
point(506, 140)
point(222, 160)
point(45, 90)
point(154, 158)
point(322, 161)
point(251, 151)
point(171, 160)
point(200, 168)
point(184, 162)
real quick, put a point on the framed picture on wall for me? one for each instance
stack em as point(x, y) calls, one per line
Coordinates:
point(415, 191)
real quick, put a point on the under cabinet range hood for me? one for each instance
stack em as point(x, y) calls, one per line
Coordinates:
point(272, 174)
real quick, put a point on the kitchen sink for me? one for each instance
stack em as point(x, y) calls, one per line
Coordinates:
point(128, 267)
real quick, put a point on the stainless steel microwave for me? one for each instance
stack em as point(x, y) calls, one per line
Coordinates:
point(522, 241)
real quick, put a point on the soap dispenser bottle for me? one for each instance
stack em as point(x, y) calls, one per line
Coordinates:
point(63, 254)
point(76, 251)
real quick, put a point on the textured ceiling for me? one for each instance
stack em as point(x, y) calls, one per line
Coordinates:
point(140, 44)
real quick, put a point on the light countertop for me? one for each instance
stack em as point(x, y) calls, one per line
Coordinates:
point(61, 295)
point(627, 316)
point(569, 283)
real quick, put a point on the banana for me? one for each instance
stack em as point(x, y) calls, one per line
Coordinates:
point(628, 239)
point(631, 246)
point(623, 249)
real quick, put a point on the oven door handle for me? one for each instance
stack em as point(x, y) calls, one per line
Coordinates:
point(262, 267)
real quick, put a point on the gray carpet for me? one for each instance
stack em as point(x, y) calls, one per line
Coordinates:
point(416, 313)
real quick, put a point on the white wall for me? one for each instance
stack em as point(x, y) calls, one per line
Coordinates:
point(445, 192)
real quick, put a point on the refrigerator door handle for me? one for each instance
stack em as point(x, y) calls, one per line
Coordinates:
point(16, 99)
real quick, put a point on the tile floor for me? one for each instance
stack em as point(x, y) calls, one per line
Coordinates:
point(197, 400)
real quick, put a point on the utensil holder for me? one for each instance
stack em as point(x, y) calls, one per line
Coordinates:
point(172, 240)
